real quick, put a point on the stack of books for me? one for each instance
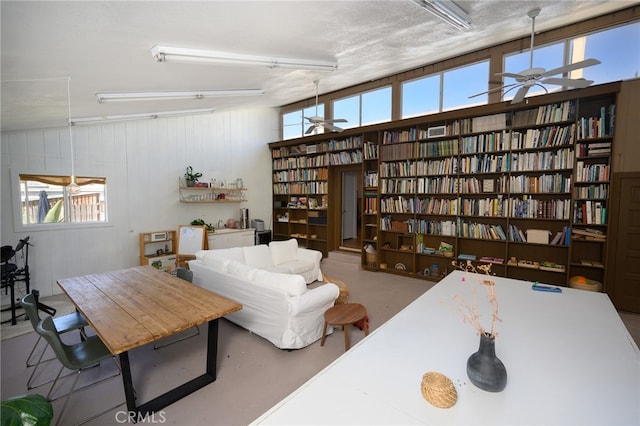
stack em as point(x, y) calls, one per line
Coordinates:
point(588, 234)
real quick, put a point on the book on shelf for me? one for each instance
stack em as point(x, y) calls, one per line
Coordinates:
point(589, 234)
point(463, 256)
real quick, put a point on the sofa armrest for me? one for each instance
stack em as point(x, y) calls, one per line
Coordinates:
point(312, 256)
point(316, 298)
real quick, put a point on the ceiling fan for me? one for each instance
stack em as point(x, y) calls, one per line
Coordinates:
point(539, 76)
point(317, 122)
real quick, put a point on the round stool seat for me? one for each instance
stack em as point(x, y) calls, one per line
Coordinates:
point(344, 315)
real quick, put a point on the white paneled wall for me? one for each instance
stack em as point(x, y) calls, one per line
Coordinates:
point(142, 161)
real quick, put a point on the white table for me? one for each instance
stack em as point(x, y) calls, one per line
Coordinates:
point(569, 359)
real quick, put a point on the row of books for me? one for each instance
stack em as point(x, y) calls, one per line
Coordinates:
point(591, 172)
point(318, 187)
point(481, 231)
point(552, 113)
point(370, 179)
point(370, 203)
point(433, 227)
point(539, 209)
point(440, 206)
point(345, 157)
point(295, 162)
point(590, 212)
point(485, 164)
point(407, 135)
point(438, 148)
point(397, 186)
point(546, 160)
point(301, 175)
point(352, 142)
point(398, 169)
point(486, 142)
point(552, 183)
point(544, 137)
point(593, 149)
point(593, 191)
point(598, 127)
point(398, 152)
point(370, 151)
point(485, 207)
point(445, 166)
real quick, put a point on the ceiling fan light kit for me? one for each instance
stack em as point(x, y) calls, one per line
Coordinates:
point(169, 54)
point(199, 94)
point(448, 11)
point(536, 76)
point(144, 115)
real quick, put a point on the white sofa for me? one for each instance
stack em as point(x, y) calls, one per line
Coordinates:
point(271, 284)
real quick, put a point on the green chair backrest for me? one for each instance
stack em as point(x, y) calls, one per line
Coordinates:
point(28, 303)
point(185, 274)
point(47, 329)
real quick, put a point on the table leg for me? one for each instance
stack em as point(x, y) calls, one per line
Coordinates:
point(129, 392)
point(345, 330)
point(179, 392)
point(324, 333)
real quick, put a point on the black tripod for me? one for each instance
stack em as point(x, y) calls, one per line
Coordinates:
point(11, 275)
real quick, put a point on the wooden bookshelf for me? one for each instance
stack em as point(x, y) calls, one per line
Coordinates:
point(514, 185)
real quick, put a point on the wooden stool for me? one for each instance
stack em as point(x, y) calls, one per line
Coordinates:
point(345, 315)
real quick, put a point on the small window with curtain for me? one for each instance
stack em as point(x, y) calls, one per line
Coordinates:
point(48, 199)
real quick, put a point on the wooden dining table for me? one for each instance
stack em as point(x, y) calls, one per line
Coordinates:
point(132, 307)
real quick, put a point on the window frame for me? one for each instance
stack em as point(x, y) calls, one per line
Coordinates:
point(496, 55)
point(16, 201)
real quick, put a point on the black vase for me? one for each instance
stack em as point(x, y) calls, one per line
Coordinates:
point(484, 368)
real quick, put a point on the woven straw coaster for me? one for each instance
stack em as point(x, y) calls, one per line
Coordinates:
point(439, 390)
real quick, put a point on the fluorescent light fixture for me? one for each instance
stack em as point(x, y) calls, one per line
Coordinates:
point(169, 54)
point(197, 94)
point(139, 116)
point(448, 11)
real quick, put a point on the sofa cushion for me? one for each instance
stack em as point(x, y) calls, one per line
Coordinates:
point(294, 267)
point(293, 285)
point(217, 262)
point(242, 271)
point(283, 251)
point(233, 253)
point(257, 256)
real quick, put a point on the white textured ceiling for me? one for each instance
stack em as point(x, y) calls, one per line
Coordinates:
point(105, 47)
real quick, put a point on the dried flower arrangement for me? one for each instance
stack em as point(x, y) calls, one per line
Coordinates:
point(468, 311)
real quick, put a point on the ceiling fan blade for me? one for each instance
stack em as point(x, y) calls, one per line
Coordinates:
point(571, 67)
point(310, 129)
point(314, 119)
point(328, 126)
point(336, 120)
point(520, 94)
point(495, 89)
point(569, 82)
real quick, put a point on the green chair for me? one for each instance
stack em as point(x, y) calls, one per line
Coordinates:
point(63, 324)
point(77, 357)
point(186, 275)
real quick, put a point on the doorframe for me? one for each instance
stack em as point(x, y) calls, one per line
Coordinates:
point(335, 201)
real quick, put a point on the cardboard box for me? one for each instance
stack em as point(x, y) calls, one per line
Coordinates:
point(539, 236)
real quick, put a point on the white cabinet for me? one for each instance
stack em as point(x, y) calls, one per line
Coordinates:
point(226, 238)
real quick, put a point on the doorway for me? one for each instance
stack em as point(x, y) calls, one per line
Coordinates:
point(351, 194)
